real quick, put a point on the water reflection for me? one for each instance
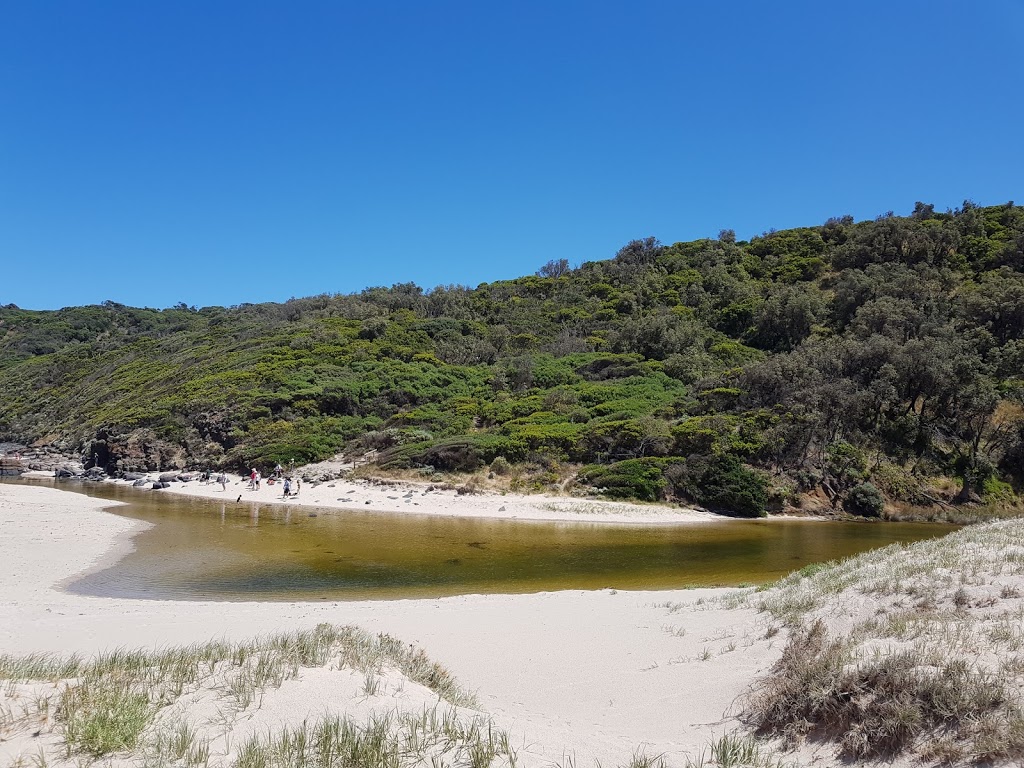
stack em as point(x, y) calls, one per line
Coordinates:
point(201, 549)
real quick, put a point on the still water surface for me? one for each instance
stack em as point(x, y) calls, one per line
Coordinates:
point(199, 549)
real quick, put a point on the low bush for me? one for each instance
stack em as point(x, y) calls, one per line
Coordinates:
point(500, 465)
point(865, 500)
point(883, 705)
point(722, 484)
point(465, 453)
point(642, 479)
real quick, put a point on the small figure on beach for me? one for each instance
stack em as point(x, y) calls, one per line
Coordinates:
point(278, 470)
point(298, 485)
point(252, 479)
point(257, 480)
point(287, 487)
point(223, 480)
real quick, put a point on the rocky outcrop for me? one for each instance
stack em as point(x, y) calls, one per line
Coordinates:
point(36, 458)
point(142, 450)
point(10, 467)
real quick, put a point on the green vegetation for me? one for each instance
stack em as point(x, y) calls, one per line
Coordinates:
point(631, 479)
point(873, 365)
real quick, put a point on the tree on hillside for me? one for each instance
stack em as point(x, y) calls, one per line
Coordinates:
point(555, 268)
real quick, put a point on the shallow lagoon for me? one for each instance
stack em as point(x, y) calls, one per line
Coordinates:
point(200, 549)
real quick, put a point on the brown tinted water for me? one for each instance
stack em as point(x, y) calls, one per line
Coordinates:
point(200, 549)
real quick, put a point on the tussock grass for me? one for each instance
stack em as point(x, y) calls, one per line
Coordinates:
point(735, 750)
point(903, 650)
point(641, 759)
point(102, 715)
point(176, 744)
point(391, 740)
point(879, 706)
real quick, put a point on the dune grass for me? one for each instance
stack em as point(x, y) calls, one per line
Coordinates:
point(736, 750)
point(903, 650)
point(390, 740)
point(108, 703)
point(116, 709)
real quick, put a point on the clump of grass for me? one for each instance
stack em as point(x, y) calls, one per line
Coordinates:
point(176, 744)
point(641, 759)
point(390, 740)
point(103, 714)
point(734, 750)
point(884, 705)
point(39, 666)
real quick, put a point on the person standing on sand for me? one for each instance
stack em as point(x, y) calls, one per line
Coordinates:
point(223, 480)
point(287, 487)
point(252, 479)
point(298, 484)
point(257, 479)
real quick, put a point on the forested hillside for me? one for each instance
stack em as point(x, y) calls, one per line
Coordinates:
point(856, 362)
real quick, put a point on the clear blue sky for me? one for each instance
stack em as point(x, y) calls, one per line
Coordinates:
point(227, 152)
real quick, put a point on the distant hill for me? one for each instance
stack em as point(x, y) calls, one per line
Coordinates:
point(857, 362)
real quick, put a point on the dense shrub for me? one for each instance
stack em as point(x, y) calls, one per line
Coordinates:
point(722, 484)
point(464, 453)
point(500, 465)
point(631, 479)
point(865, 500)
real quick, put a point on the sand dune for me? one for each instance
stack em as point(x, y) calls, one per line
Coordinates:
point(591, 675)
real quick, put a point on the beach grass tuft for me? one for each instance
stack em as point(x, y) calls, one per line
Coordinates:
point(389, 740)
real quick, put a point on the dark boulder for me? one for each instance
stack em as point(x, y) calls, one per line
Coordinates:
point(168, 477)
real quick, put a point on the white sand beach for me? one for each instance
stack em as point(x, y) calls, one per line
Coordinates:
point(431, 499)
point(585, 675)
